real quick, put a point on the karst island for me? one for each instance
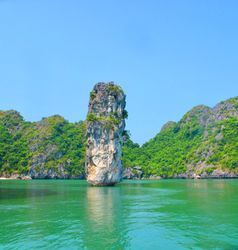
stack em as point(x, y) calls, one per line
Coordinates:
point(105, 127)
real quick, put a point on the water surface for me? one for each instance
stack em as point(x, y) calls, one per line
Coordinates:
point(166, 214)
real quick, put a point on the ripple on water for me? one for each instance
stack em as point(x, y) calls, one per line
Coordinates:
point(133, 215)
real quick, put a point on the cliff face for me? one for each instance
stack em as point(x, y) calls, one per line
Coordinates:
point(105, 127)
point(50, 148)
point(216, 156)
point(203, 144)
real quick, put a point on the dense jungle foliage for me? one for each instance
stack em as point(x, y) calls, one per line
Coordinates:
point(203, 140)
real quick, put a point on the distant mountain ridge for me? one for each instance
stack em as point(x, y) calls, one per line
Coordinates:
point(203, 144)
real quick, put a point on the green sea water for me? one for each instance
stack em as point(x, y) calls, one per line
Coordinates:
point(166, 214)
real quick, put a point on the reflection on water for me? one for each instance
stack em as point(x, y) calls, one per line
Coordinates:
point(105, 219)
point(168, 214)
point(100, 205)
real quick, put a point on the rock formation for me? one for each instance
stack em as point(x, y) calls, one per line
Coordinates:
point(105, 127)
point(203, 144)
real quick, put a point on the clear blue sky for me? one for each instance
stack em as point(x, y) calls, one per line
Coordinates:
point(168, 55)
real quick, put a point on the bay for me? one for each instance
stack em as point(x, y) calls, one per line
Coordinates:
point(165, 214)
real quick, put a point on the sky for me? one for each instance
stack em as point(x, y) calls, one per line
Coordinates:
point(167, 55)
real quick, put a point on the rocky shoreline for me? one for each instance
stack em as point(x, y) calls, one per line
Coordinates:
point(15, 177)
point(134, 173)
point(150, 178)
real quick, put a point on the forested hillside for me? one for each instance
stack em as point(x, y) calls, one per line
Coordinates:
point(50, 148)
point(203, 143)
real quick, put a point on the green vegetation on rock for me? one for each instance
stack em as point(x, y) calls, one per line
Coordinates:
point(114, 88)
point(52, 147)
point(204, 141)
point(92, 95)
point(109, 121)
